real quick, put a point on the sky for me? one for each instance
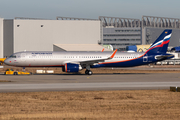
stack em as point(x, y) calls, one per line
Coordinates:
point(50, 9)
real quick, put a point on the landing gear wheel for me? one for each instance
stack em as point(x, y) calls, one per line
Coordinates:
point(88, 72)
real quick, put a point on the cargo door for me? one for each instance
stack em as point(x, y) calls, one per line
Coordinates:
point(145, 58)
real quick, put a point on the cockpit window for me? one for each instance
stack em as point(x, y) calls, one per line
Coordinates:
point(12, 56)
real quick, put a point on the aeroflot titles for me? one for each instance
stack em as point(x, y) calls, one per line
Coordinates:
point(41, 53)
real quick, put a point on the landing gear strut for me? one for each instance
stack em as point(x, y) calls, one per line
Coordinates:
point(88, 72)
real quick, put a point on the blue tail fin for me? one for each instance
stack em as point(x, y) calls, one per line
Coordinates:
point(161, 43)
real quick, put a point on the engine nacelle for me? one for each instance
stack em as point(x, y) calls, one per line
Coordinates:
point(70, 67)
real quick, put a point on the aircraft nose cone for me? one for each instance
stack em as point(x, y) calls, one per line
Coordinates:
point(7, 62)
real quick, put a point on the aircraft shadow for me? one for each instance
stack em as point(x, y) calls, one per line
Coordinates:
point(95, 74)
point(83, 74)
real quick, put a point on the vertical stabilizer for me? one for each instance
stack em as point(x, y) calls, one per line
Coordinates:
point(161, 43)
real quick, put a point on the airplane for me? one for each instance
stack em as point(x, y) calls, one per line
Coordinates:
point(76, 61)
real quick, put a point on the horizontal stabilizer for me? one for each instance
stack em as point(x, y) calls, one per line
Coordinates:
point(160, 57)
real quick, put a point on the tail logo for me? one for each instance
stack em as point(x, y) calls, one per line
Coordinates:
point(161, 42)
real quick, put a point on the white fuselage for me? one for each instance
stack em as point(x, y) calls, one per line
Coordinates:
point(44, 58)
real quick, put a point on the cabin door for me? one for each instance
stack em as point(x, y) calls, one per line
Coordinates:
point(23, 56)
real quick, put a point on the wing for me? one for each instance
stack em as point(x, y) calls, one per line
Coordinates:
point(91, 62)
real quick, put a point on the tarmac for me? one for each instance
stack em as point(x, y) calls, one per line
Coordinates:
point(80, 82)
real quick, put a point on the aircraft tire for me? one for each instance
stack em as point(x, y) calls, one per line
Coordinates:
point(86, 72)
point(90, 72)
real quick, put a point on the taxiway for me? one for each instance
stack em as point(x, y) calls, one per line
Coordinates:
point(73, 82)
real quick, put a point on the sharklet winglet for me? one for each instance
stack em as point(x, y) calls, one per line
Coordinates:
point(102, 50)
point(113, 54)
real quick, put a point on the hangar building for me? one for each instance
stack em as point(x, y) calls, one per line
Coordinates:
point(152, 27)
point(123, 32)
point(78, 34)
point(21, 34)
point(1, 37)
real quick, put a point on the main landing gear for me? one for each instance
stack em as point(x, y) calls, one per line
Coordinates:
point(88, 72)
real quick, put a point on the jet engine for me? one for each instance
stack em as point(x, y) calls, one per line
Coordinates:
point(70, 67)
